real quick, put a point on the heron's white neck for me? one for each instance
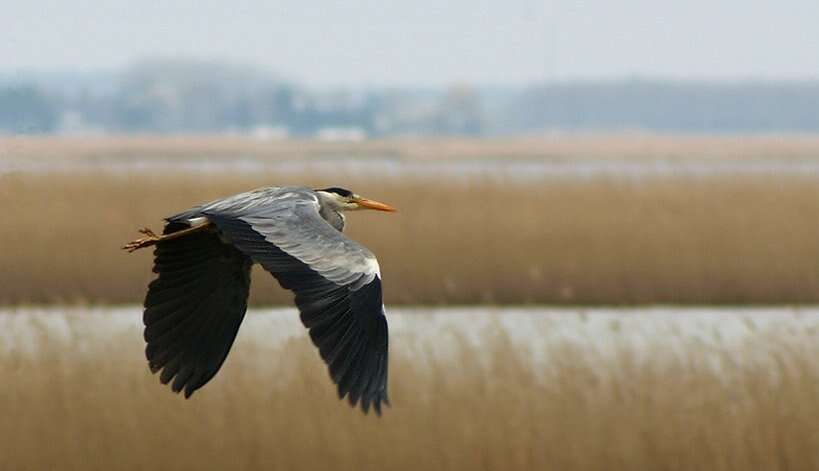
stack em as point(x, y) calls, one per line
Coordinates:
point(331, 206)
point(332, 201)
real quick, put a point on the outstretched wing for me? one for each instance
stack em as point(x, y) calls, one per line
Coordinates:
point(336, 281)
point(193, 309)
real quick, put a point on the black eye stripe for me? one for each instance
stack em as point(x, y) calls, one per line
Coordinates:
point(339, 191)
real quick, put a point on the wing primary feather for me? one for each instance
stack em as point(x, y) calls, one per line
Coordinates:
point(194, 307)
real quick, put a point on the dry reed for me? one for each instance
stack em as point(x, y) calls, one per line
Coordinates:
point(83, 400)
point(670, 239)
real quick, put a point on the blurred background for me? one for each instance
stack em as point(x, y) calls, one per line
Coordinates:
point(360, 70)
point(606, 255)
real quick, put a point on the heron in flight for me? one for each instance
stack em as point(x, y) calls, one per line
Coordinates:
point(194, 307)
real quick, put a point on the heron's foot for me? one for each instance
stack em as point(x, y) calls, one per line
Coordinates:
point(147, 241)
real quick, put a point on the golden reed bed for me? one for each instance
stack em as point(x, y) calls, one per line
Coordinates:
point(665, 239)
point(77, 396)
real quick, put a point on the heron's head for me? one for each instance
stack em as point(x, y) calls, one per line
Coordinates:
point(342, 199)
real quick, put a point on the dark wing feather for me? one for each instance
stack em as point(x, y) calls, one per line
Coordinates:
point(194, 307)
point(346, 322)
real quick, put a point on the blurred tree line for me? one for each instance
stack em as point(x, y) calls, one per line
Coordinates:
point(748, 107)
point(173, 96)
point(26, 109)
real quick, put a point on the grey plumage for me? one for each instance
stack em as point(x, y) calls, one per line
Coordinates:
point(194, 308)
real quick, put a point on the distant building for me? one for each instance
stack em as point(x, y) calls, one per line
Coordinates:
point(270, 133)
point(349, 134)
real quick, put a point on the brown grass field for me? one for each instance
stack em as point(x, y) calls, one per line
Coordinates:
point(485, 238)
point(672, 239)
point(77, 395)
point(84, 400)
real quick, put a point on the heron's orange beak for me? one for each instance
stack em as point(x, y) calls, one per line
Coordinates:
point(377, 205)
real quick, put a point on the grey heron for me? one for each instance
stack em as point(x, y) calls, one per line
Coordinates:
point(195, 305)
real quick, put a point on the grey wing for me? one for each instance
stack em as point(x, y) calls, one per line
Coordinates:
point(336, 281)
point(194, 307)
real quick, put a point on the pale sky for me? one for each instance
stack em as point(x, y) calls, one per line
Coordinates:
point(425, 42)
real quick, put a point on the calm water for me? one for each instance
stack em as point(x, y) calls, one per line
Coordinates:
point(388, 166)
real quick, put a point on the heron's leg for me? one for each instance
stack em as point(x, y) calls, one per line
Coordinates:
point(151, 238)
